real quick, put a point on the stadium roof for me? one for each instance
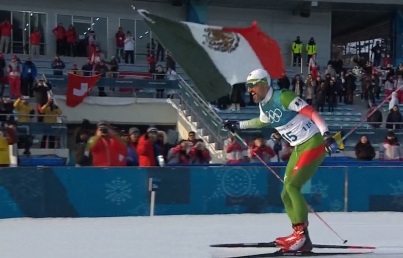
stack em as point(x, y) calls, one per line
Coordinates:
point(351, 19)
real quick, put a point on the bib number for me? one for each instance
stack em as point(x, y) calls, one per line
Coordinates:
point(289, 137)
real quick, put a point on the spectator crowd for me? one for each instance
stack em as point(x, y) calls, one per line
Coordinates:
point(322, 89)
point(108, 147)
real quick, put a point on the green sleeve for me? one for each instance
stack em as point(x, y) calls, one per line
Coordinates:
point(287, 97)
point(254, 123)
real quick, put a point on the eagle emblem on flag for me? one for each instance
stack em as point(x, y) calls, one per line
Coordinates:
point(219, 40)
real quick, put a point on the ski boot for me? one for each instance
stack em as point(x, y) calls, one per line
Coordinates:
point(298, 241)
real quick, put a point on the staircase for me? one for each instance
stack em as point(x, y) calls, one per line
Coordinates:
point(202, 118)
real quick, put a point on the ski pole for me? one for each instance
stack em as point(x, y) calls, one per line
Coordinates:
point(279, 178)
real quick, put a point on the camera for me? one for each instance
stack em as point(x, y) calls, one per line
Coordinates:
point(103, 130)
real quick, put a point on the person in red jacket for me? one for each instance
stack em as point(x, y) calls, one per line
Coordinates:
point(71, 37)
point(260, 149)
point(35, 42)
point(199, 154)
point(147, 149)
point(106, 147)
point(120, 43)
point(234, 151)
point(60, 34)
point(14, 78)
point(5, 32)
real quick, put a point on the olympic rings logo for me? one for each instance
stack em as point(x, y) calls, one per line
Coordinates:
point(274, 115)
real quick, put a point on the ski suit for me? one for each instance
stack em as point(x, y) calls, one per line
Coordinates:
point(287, 113)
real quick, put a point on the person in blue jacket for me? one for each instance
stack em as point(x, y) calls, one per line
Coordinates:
point(132, 158)
point(28, 75)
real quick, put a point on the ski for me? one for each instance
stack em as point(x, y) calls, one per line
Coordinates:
point(247, 245)
point(296, 254)
point(273, 244)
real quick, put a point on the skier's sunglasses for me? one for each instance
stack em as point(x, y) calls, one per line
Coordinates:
point(252, 83)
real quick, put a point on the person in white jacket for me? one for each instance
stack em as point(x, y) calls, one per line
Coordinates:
point(394, 101)
point(389, 86)
point(129, 48)
point(172, 76)
point(390, 149)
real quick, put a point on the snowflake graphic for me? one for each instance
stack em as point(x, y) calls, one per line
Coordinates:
point(118, 191)
point(144, 210)
point(320, 189)
point(336, 205)
point(30, 184)
point(236, 182)
point(398, 194)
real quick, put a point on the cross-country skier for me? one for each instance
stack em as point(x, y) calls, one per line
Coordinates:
point(300, 125)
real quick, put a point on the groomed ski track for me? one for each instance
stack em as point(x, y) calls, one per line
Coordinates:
point(188, 236)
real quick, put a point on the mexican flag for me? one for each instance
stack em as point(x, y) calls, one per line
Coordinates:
point(215, 58)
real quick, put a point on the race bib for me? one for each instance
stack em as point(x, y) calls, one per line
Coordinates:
point(298, 130)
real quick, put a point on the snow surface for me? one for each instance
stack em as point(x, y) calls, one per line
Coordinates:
point(187, 236)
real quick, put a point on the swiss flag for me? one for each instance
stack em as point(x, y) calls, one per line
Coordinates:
point(78, 88)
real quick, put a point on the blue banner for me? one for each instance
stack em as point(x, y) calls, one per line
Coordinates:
point(56, 129)
point(104, 192)
point(61, 81)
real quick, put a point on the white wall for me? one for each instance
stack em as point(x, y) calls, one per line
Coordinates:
point(145, 111)
point(280, 25)
point(113, 10)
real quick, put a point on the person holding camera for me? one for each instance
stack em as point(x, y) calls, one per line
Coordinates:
point(24, 110)
point(50, 113)
point(148, 150)
point(180, 153)
point(106, 148)
point(199, 154)
point(260, 149)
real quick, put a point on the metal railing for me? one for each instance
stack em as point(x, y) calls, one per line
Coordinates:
point(110, 74)
point(21, 48)
point(15, 117)
point(38, 133)
point(201, 112)
point(375, 135)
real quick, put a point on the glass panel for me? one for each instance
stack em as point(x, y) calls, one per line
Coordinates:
point(38, 20)
point(128, 25)
point(18, 32)
point(100, 27)
point(65, 20)
point(82, 30)
point(142, 38)
point(5, 16)
point(82, 19)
